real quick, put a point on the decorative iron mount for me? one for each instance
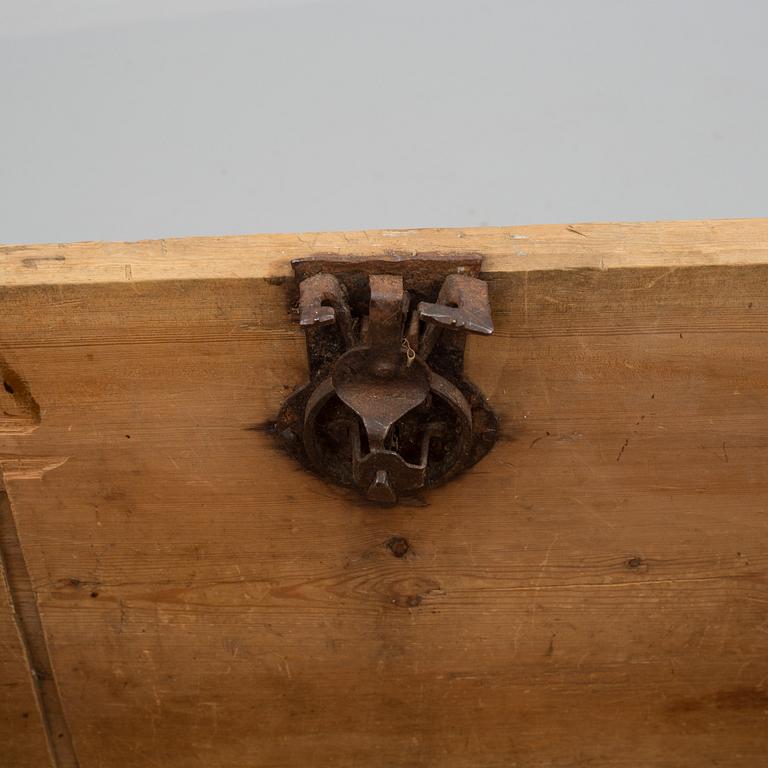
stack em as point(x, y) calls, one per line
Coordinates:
point(387, 409)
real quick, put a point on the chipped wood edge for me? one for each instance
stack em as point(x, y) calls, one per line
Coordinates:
point(505, 249)
point(29, 468)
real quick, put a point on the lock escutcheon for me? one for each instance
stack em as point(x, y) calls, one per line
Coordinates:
point(387, 409)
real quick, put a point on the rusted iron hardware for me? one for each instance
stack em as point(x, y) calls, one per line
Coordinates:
point(387, 409)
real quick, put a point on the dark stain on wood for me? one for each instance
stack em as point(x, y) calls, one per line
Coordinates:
point(25, 407)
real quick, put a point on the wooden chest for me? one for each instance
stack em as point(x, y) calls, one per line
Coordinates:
point(180, 592)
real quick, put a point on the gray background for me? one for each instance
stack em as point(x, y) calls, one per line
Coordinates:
point(151, 118)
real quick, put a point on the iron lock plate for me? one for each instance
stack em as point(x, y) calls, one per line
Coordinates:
point(388, 409)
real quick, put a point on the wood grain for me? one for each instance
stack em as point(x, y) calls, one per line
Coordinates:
point(592, 593)
point(505, 249)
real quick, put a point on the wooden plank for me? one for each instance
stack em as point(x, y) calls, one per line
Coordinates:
point(592, 593)
point(506, 249)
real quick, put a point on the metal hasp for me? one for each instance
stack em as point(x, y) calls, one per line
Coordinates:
point(387, 409)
